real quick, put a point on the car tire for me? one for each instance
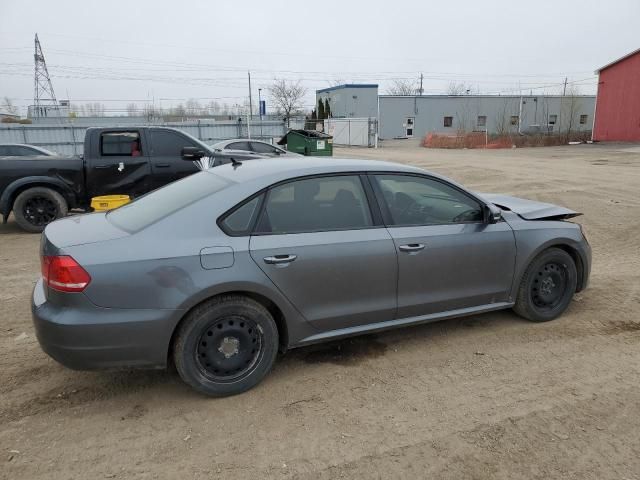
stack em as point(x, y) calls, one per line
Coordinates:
point(226, 346)
point(547, 286)
point(36, 207)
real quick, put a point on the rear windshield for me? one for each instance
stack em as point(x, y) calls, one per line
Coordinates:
point(160, 203)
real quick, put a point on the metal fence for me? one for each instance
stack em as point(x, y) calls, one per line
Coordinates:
point(68, 139)
point(359, 132)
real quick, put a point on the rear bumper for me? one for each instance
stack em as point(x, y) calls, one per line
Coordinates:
point(83, 336)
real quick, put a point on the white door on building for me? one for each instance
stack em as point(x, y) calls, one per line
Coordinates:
point(408, 125)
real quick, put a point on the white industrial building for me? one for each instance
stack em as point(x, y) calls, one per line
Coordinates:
point(417, 115)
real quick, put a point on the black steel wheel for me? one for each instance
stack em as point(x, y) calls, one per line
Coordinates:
point(229, 348)
point(547, 286)
point(36, 207)
point(226, 345)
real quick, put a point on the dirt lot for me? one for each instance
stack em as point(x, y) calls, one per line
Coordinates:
point(490, 396)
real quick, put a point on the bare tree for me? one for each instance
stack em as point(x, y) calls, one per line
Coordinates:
point(459, 89)
point(336, 81)
point(9, 107)
point(95, 109)
point(402, 87)
point(132, 110)
point(287, 96)
point(213, 108)
point(193, 108)
point(149, 112)
point(569, 106)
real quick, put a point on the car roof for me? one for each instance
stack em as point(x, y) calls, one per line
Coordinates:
point(18, 145)
point(273, 170)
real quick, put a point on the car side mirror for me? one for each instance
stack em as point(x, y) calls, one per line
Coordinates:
point(192, 153)
point(493, 214)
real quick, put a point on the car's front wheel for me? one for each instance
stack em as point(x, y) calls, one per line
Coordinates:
point(226, 345)
point(547, 286)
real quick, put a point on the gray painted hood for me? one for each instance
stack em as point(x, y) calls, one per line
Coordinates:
point(529, 209)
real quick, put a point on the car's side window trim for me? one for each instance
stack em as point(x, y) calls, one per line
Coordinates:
point(386, 213)
point(254, 217)
point(359, 174)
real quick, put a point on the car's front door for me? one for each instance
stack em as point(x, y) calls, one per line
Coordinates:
point(449, 258)
point(167, 164)
point(121, 165)
point(318, 242)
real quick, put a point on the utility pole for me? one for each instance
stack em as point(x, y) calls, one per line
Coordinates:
point(564, 90)
point(250, 105)
point(260, 109)
point(421, 77)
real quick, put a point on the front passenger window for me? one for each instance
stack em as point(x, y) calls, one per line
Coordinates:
point(415, 200)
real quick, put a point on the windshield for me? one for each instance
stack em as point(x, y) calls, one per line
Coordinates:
point(161, 203)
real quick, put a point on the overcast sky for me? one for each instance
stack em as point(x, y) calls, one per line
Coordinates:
point(165, 52)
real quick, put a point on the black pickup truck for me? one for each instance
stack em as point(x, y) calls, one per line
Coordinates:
point(125, 160)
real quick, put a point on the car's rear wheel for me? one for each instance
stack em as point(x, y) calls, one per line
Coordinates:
point(226, 345)
point(547, 286)
point(37, 207)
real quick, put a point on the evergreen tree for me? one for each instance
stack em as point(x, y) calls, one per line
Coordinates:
point(327, 109)
point(321, 110)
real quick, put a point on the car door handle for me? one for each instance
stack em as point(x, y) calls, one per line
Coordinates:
point(412, 247)
point(162, 165)
point(276, 259)
point(104, 166)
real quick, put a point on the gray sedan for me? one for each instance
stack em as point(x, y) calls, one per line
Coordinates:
point(221, 270)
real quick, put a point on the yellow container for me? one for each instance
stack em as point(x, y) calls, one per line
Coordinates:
point(109, 202)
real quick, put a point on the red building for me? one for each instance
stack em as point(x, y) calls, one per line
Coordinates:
point(617, 116)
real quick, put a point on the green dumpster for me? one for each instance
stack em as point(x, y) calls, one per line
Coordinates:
point(308, 142)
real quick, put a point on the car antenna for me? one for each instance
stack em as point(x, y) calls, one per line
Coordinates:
point(235, 163)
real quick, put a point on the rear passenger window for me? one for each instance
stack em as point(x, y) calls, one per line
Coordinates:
point(120, 144)
point(239, 221)
point(238, 146)
point(316, 204)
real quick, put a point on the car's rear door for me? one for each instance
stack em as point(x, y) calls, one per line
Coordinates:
point(320, 243)
point(264, 149)
point(449, 258)
point(118, 164)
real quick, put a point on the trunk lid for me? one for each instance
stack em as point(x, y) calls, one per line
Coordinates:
point(529, 209)
point(80, 230)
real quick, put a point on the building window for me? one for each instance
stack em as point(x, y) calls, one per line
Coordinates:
point(514, 120)
point(482, 120)
point(553, 119)
point(448, 121)
point(583, 119)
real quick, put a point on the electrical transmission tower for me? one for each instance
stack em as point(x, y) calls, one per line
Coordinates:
point(44, 98)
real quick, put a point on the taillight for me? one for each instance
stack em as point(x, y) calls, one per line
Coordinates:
point(64, 274)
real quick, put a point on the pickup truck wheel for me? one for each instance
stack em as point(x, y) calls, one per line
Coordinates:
point(36, 207)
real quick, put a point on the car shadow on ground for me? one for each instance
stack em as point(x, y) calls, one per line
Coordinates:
point(79, 388)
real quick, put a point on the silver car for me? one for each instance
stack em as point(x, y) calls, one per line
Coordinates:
point(221, 270)
point(258, 147)
point(22, 150)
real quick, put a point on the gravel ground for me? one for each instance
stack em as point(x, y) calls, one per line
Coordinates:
point(489, 396)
